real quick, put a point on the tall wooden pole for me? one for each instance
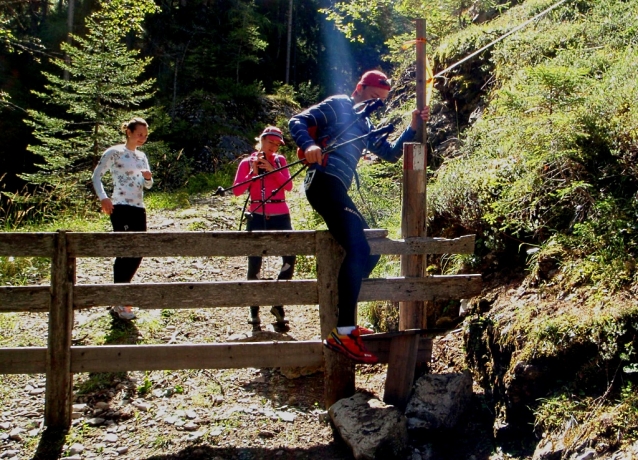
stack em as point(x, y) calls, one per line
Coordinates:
point(412, 314)
point(420, 76)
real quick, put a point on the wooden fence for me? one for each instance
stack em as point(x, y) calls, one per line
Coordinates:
point(60, 360)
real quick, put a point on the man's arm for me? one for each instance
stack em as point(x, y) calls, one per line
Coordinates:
point(392, 152)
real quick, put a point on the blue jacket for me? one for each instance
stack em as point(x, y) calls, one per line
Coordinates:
point(331, 117)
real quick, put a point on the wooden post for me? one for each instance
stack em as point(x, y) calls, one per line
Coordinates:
point(420, 75)
point(59, 386)
point(412, 314)
point(401, 368)
point(339, 370)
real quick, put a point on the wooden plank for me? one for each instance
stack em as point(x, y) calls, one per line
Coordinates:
point(59, 389)
point(375, 233)
point(120, 358)
point(191, 244)
point(198, 295)
point(381, 349)
point(429, 288)
point(32, 360)
point(387, 336)
point(424, 245)
point(401, 367)
point(23, 360)
point(24, 298)
point(339, 377)
point(27, 244)
point(198, 244)
point(292, 292)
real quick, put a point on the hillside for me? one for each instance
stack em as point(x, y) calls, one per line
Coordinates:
point(544, 174)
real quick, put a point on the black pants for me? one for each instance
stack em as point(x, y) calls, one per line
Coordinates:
point(127, 219)
point(329, 197)
point(278, 222)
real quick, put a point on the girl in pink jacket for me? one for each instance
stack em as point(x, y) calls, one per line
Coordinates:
point(268, 209)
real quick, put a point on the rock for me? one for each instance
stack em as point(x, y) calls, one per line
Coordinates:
point(76, 449)
point(191, 414)
point(439, 401)
point(372, 429)
point(9, 453)
point(587, 454)
point(286, 416)
point(122, 450)
point(73, 457)
point(141, 405)
point(102, 405)
point(16, 434)
point(549, 448)
point(5, 425)
point(95, 421)
point(266, 434)
point(190, 426)
point(111, 437)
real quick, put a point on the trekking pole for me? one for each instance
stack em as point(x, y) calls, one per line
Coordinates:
point(221, 191)
point(383, 132)
point(264, 201)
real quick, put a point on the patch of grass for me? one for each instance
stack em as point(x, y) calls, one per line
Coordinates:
point(165, 200)
point(381, 316)
point(610, 418)
point(22, 271)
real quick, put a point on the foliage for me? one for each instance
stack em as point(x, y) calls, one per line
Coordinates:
point(102, 91)
point(171, 170)
point(550, 162)
point(610, 417)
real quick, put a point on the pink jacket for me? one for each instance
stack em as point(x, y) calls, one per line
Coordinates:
point(275, 203)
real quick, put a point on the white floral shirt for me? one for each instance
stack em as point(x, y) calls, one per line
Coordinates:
point(128, 183)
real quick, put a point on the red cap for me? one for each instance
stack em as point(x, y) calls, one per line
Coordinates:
point(373, 78)
point(273, 131)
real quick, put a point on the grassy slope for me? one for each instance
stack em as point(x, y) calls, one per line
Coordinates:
point(546, 179)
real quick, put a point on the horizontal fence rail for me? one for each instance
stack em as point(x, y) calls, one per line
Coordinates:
point(121, 358)
point(59, 360)
point(237, 293)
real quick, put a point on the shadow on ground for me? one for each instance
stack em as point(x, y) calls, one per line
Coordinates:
point(335, 451)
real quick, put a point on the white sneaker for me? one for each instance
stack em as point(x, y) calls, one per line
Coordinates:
point(123, 312)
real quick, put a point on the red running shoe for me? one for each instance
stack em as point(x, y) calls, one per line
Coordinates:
point(350, 345)
point(365, 331)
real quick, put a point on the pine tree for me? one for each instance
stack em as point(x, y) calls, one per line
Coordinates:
point(104, 89)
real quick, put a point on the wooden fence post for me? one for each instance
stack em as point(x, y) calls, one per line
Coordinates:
point(339, 370)
point(59, 386)
point(412, 314)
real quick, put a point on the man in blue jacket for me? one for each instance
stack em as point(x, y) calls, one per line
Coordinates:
point(337, 121)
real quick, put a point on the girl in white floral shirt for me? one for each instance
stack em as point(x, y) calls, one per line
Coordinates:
point(131, 175)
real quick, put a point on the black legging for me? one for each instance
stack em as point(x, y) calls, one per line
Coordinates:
point(127, 218)
point(329, 197)
point(276, 222)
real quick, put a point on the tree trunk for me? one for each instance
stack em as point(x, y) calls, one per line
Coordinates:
point(69, 25)
point(288, 45)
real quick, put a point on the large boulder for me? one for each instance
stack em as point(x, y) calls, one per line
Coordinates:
point(439, 401)
point(372, 429)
